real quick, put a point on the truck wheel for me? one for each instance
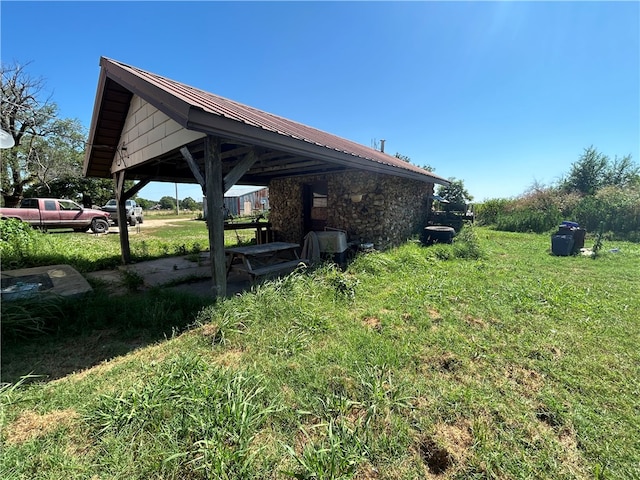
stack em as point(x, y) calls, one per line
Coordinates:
point(98, 225)
point(132, 221)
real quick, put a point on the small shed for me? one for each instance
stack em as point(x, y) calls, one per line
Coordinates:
point(146, 127)
point(244, 200)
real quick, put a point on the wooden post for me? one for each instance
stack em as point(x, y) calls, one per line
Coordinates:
point(123, 226)
point(215, 214)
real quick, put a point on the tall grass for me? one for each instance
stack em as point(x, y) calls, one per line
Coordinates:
point(24, 247)
point(203, 419)
point(512, 364)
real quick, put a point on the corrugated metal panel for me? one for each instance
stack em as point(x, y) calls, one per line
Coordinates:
point(217, 105)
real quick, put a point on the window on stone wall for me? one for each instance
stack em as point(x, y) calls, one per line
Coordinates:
point(319, 200)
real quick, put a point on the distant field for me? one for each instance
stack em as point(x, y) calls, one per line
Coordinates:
point(488, 358)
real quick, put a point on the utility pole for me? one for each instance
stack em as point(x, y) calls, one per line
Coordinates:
point(177, 201)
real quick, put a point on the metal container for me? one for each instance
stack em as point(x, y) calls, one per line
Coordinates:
point(332, 241)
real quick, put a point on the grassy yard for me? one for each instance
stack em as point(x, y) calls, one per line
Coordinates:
point(413, 363)
point(160, 236)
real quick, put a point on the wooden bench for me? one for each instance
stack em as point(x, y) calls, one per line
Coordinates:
point(274, 268)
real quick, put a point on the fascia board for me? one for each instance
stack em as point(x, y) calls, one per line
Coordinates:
point(164, 101)
point(97, 106)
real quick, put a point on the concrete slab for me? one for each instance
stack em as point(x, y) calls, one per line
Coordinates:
point(53, 280)
point(182, 274)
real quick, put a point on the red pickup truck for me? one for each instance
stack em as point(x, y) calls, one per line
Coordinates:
point(53, 213)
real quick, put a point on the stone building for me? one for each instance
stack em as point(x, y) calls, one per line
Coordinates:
point(371, 207)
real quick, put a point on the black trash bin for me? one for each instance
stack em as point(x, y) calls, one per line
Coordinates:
point(578, 239)
point(569, 233)
point(562, 245)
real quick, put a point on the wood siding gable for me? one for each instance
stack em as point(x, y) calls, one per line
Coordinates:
point(148, 133)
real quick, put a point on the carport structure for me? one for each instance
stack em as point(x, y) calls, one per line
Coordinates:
point(146, 128)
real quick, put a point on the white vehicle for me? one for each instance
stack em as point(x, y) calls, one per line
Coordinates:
point(134, 212)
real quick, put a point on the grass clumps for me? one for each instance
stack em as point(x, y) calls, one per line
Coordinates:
point(517, 365)
point(203, 419)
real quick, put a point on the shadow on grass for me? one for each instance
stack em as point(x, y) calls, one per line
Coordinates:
point(58, 337)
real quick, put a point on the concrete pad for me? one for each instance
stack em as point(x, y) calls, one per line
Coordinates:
point(54, 280)
point(180, 274)
point(169, 270)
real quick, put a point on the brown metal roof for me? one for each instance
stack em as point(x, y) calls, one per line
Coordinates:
point(288, 147)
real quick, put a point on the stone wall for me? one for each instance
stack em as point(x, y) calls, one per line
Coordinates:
point(391, 210)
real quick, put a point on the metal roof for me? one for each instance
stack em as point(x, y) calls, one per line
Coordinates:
point(287, 148)
point(241, 190)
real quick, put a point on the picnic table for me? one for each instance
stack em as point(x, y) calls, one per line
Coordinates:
point(264, 259)
point(263, 229)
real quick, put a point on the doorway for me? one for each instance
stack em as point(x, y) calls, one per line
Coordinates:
point(315, 201)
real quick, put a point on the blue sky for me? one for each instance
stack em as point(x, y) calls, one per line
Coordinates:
point(499, 94)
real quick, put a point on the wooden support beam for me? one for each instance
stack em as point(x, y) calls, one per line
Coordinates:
point(136, 188)
point(288, 165)
point(119, 181)
point(240, 169)
point(195, 169)
point(215, 214)
point(125, 249)
point(235, 152)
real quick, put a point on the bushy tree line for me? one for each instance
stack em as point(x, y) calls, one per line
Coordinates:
point(48, 153)
point(597, 190)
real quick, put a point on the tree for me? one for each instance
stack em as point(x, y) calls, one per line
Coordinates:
point(144, 203)
point(98, 191)
point(30, 120)
point(594, 170)
point(61, 154)
point(189, 204)
point(407, 159)
point(403, 157)
point(167, 203)
point(455, 192)
point(622, 173)
point(587, 173)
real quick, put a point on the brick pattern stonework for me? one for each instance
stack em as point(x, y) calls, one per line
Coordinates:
point(392, 209)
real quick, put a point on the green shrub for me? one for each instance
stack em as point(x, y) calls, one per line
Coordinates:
point(529, 220)
point(487, 212)
point(466, 243)
point(18, 241)
point(618, 208)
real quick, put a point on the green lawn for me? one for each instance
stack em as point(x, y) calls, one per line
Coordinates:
point(414, 363)
point(176, 235)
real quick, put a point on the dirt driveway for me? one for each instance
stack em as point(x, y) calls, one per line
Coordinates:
point(155, 222)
